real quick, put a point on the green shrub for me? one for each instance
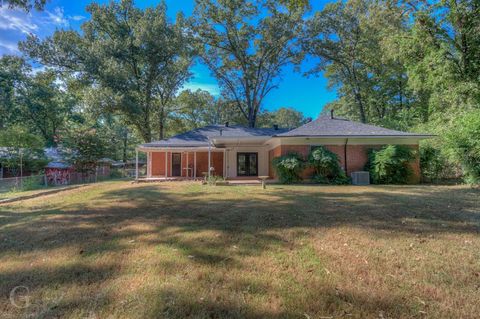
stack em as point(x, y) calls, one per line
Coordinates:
point(327, 167)
point(289, 167)
point(32, 182)
point(434, 164)
point(463, 142)
point(116, 173)
point(391, 164)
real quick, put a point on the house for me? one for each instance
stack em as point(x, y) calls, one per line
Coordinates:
point(237, 152)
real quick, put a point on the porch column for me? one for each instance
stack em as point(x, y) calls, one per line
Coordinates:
point(136, 163)
point(195, 165)
point(188, 166)
point(209, 157)
point(166, 167)
point(149, 167)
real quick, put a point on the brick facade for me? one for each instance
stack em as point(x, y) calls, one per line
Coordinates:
point(357, 157)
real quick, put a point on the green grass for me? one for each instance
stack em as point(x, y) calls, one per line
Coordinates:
point(182, 250)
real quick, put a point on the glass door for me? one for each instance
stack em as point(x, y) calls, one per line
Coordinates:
point(247, 164)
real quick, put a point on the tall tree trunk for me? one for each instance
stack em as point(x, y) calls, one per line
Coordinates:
point(361, 108)
point(357, 94)
point(125, 143)
point(161, 123)
point(251, 116)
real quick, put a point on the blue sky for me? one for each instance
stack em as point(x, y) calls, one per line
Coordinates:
point(308, 95)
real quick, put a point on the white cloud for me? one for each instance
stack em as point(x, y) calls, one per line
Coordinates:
point(57, 17)
point(16, 20)
point(8, 47)
point(211, 88)
point(76, 18)
point(16, 24)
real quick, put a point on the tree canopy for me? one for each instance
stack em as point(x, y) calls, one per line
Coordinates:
point(409, 65)
point(135, 60)
point(246, 44)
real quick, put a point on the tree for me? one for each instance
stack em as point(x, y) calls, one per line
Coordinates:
point(135, 60)
point(44, 107)
point(196, 109)
point(463, 143)
point(246, 44)
point(13, 79)
point(347, 38)
point(84, 147)
point(22, 147)
point(441, 53)
point(26, 5)
point(287, 117)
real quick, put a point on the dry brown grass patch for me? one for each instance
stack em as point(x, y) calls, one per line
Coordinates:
point(177, 250)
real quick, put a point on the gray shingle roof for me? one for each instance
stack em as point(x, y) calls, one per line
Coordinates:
point(326, 126)
point(199, 137)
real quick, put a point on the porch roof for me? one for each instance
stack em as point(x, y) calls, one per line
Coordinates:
point(200, 137)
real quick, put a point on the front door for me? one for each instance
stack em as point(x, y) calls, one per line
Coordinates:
point(176, 164)
point(247, 164)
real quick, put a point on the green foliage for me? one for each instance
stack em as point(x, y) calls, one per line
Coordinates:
point(289, 167)
point(44, 107)
point(22, 151)
point(18, 137)
point(32, 182)
point(132, 60)
point(26, 5)
point(463, 141)
point(246, 44)
point(13, 78)
point(398, 64)
point(83, 148)
point(391, 164)
point(284, 117)
point(326, 166)
point(434, 164)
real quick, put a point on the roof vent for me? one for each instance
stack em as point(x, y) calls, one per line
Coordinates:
point(226, 124)
point(331, 114)
point(275, 127)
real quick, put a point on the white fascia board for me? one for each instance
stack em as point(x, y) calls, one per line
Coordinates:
point(341, 140)
point(173, 149)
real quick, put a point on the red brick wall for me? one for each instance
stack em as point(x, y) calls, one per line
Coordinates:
point(357, 157)
point(158, 164)
point(216, 162)
point(276, 152)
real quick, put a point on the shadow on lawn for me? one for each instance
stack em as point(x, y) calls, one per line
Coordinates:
point(321, 303)
point(238, 221)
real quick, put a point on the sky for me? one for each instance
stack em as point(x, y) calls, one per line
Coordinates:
point(307, 95)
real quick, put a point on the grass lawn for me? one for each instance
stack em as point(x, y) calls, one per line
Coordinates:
point(176, 250)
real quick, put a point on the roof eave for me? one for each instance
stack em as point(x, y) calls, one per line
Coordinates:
point(420, 136)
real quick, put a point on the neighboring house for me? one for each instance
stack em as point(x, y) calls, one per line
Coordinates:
point(241, 152)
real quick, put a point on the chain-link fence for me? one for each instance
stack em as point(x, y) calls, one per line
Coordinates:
point(22, 183)
point(25, 183)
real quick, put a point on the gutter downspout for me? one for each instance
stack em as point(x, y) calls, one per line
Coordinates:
point(345, 156)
